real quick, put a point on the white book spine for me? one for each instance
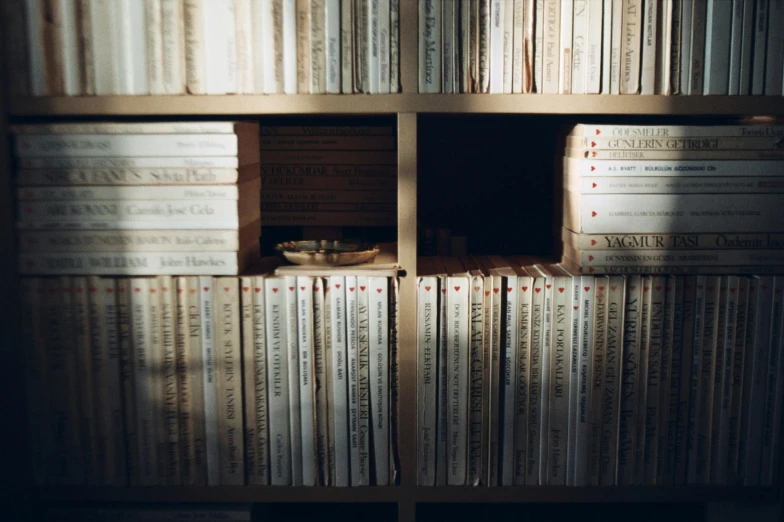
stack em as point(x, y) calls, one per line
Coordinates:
point(318, 56)
point(774, 52)
point(616, 43)
point(508, 21)
point(289, 37)
point(172, 466)
point(534, 439)
point(580, 50)
point(322, 368)
point(539, 32)
point(347, 46)
point(185, 389)
point(35, 45)
point(79, 145)
point(195, 40)
point(153, 25)
point(671, 168)
point(229, 192)
point(687, 185)
point(249, 372)
point(448, 51)
point(140, 328)
point(736, 46)
point(686, 20)
point(292, 341)
point(668, 50)
point(427, 335)
point(771, 417)
point(631, 46)
point(127, 211)
point(262, 388)
point(353, 376)
point(394, 46)
point(441, 395)
point(244, 39)
point(518, 46)
point(573, 372)
point(718, 26)
point(72, 64)
point(585, 390)
point(544, 415)
point(340, 378)
point(697, 65)
point(156, 362)
point(593, 47)
point(372, 47)
point(215, 48)
point(496, 47)
point(551, 46)
point(477, 432)
point(230, 58)
point(524, 291)
point(746, 48)
point(606, 53)
point(272, 45)
point(333, 46)
point(458, 303)
point(650, 20)
point(259, 39)
point(508, 378)
point(131, 72)
point(560, 361)
point(209, 379)
point(278, 376)
point(378, 289)
point(565, 49)
point(307, 388)
point(103, 14)
point(628, 373)
point(383, 47)
point(363, 370)
point(173, 27)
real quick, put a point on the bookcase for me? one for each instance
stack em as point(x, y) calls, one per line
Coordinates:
point(419, 120)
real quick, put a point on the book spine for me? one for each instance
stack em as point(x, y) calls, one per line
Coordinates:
point(346, 47)
point(668, 168)
point(153, 25)
point(86, 50)
point(631, 143)
point(771, 475)
point(108, 145)
point(173, 30)
point(111, 263)
point(261, 385)
point(664, 48)
point(696, 399)
point(676, 47)
point(53, 42)
point(307, 412)
point(508, 22)
point(521, 415)
point(518, 46)
point(616, 43)
point(304, 64)
point(127, 382)
point(362, 11)
point(332, 44)
point(244, 44)
point(39, 76)
point(646, 214)
point(566, 47)
point(496, 47)
point(650, 20)
point(292, 345)
point(158, 379)
point(209, 380)
point(383, 37)
point(448, 51)
point(352, 359)
point(496, 427)
point(429, 45)
point(697, 65)
point(593, 48)
point(596, 384)
point(772, 417)
point(143, 380)
point(629, 366)
point(318, 52)
point(128, 212)
point(675, 302)
point(477, 436)
point(579, 72)
point(737, 384)
point(722, 398)
point(653, 415)
point(748, 376)
point(534, 391)
point(573, 371)
point(611, 400)
point(105, 49)
point(544, 415)
point(458, 302)
point(69, 41)
point(551, 46)
point(678, 257)
point(487, 341)
point(718, 26)
point(289, 38)
point(663, 469)
point(685, 45)
point(341, 372)
point(631, 47)
point(606, 52)
point(248, 357)
point(184, 392)
point(322, 364)
point(371, 36)
point(747, 44)
point(16, 48)
point(539, 32)
point(529, 53)
point(128, 163)
point(331, 393)
point(170, 407)
point(272, 45)
point(123, 176)
point(586, 382)
point(93, 438)
point(736, 46)
point(378, 290)
point(507, 378)
point(394, 46)
point(194, 43)
point(680, 455)
point(774, 49)
point(131, 70)
point(363, 370)
point(662, 185)
point(560, 360)
point(128, 193)
point(394, 381)
point(277, 376)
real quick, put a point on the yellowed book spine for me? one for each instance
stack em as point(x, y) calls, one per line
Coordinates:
point(127, 381)
point(196, 375)
point(171, 427)
point(262, 471)
point(185, 411)
point(195, 52)
point(88, 300)
point(249, 380)
point(88, 386)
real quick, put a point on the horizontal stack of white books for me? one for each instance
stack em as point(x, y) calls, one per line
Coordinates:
point(137, 198)
point(674, 199)
point(532, 374)
point(198, 380)
point(217, 47)
point(705, 47)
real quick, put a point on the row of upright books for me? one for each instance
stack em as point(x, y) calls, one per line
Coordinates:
point(674, 199)
point(195, 380)
point(177, 47)
point(531, 374)
point(670, 47)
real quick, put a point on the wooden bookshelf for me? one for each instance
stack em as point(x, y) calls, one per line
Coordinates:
point(407, 107)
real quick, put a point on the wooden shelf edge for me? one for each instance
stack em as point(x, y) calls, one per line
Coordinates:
point(519, 494)
point(247, 105)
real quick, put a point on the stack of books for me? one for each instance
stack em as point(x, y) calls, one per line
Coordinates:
point(137, 198)
point(602, 46)
point(329, 176)
point(674, 199)
point(196, 380)
point(177, 47)
point(532, 374)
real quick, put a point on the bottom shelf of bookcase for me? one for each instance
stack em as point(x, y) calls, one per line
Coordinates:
point(425, 495)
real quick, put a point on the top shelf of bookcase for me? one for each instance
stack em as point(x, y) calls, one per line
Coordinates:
point(248, 105)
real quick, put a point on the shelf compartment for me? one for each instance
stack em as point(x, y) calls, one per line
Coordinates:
point(244, 105)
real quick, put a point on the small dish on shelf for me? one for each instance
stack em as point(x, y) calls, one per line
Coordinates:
point(327, 252)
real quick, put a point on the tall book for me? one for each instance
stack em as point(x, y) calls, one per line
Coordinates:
point(378, 302)
point(307, 388)
point(209, 380)
point(277, 377)
point(340, 377)
point(292, 346)
point(629, 385)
